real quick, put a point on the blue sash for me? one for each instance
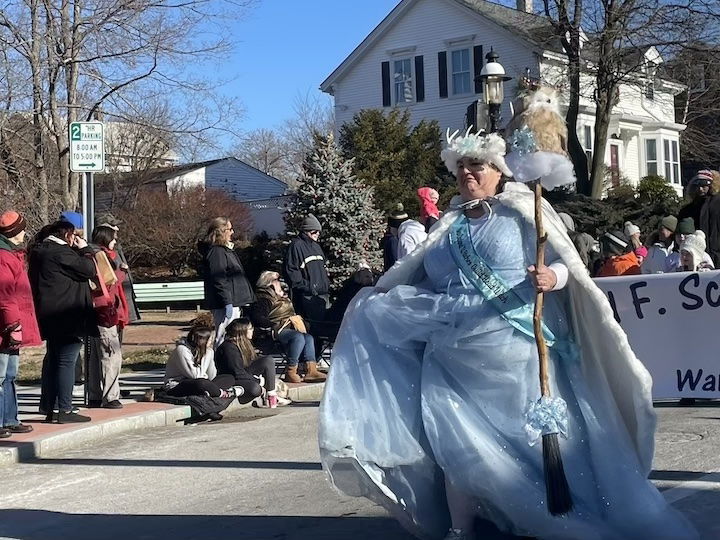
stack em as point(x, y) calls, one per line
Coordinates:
point(505, 300)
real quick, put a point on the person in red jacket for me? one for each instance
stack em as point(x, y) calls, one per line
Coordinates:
point(112, 316)
point(18, 326)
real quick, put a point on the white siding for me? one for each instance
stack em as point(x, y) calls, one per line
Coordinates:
point(190, 179)
point(631, 167)
point(426, 26)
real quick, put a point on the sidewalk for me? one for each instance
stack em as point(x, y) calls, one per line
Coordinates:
point(155, 332)
point(47, 440)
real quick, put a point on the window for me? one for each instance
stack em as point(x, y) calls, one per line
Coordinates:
point(651, 164)
point(672, 161)
point(402, 75)
point(460, 61)
point(588, 142)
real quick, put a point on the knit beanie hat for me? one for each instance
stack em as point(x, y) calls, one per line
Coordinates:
point(310, 223)
point(702, 178)
point(397, 216)
point(72, 217)
point(695, 245)
point(631, 229)
point(11, 224)
point(615, 242)
point(685, 226)
point(567, 221)
point(669, 222)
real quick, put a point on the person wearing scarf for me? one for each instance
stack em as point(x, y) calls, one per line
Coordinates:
point(426, 409)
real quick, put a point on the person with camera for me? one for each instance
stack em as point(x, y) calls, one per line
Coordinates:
point(274, 310)
point(60, 267)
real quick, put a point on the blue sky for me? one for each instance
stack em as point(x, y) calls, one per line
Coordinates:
point(287, 48)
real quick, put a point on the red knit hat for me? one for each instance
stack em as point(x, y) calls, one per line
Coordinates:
point(11, 224)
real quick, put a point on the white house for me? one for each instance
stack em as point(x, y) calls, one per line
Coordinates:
point(266, 196)
point(425, 55)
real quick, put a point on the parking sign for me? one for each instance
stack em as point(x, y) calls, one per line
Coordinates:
point(87, 147)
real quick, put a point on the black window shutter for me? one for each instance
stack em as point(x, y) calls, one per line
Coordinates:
point(419, 79)
point(442, 74)
point(386, 83)
point(477, 67)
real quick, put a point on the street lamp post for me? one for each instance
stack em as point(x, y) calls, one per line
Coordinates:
point(493, 78)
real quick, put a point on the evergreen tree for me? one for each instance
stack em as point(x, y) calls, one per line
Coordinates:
point(344, 205)
point(395, 158)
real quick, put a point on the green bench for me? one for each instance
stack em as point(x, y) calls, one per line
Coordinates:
point(167, 293)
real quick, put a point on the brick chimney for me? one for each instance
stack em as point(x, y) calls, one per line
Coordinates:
point(525, 5)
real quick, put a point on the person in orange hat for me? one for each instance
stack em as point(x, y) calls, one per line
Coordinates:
point(18, 326)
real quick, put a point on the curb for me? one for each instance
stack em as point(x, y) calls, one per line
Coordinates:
point(43, 447)
point(305, 391)
point(48, 445)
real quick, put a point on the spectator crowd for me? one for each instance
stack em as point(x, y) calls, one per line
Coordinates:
point(67, 292)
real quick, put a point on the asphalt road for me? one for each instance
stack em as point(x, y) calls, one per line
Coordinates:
point(257, 476)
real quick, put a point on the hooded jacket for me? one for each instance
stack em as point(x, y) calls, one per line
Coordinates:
point(429, 213)
point(16, 301)
point(225, 281)
point(59, 277)
point(304, 267)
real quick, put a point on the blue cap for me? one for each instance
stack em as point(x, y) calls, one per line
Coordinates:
point(72, 217)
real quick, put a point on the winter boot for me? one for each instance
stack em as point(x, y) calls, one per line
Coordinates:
point(291, 375)
point(313, 375)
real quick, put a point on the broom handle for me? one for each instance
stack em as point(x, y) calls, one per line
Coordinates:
point(539, 296)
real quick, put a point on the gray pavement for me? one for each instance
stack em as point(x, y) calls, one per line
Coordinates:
point(256, 476)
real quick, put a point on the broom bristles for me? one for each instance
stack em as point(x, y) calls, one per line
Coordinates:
point(559, 500)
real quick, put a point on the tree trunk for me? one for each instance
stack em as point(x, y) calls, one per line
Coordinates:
point(575, 149)
point(602, 125)
point(38, 127)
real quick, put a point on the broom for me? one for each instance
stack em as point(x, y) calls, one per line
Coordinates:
point(557, 490)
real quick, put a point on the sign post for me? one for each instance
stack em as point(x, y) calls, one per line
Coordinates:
point(87, 155)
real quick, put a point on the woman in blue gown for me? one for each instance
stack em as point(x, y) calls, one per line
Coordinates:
point(426, 407)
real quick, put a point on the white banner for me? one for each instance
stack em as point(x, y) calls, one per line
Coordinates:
point(671, 320)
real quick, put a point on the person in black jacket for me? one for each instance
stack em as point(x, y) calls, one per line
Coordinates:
point(227, 289)
point(699, 192)
point(305, 271)
point(237, 357)
point(60, 267)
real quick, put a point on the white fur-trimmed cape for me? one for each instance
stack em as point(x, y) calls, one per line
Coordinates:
point(614, 375)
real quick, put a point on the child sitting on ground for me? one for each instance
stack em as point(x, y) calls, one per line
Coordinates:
point(237, 358)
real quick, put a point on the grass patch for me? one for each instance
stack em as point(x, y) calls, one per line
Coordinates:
point(31, 363)
point(145, 360)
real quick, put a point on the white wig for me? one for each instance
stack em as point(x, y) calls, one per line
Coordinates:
point(489, 148)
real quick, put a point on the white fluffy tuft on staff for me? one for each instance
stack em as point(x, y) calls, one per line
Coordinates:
point(537, 137)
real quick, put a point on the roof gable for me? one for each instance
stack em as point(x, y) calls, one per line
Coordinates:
point(534, 29)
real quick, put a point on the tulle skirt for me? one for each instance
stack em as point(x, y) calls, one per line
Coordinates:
point(427, 388)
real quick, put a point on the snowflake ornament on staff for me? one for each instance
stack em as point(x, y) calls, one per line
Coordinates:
point(538, 142)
